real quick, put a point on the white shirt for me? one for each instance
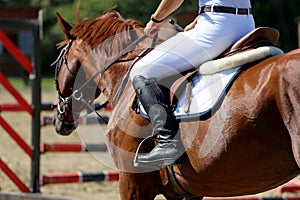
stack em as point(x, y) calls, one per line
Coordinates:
point(228, 3)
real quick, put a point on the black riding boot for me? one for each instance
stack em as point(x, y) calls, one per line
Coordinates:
point(169, 147)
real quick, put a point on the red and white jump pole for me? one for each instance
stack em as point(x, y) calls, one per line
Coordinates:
point(21, 105)
point(48, 120)
point(13, 177)
point(72, 147)
point(78, 177)
point(291, 186)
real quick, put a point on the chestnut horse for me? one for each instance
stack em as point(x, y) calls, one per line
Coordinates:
point(249, 145)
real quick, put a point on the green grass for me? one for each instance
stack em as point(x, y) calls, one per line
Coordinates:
point(48, 83)
point(19, 83)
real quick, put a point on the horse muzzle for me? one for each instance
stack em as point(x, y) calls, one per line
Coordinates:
point(63, 127)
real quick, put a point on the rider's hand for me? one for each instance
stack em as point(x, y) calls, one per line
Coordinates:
point(152, 28)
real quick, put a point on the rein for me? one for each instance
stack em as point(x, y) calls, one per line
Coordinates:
point(110, 63)
point(77, 94)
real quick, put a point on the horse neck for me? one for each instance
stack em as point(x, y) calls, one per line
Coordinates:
point(111, 81)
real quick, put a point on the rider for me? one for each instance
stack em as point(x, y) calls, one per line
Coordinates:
point(219, 24)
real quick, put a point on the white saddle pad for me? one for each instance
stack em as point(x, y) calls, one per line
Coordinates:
point(207, 93)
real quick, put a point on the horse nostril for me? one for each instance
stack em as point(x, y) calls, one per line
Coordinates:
point(62, 127)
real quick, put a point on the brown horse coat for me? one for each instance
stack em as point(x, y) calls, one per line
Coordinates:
point(250, 145)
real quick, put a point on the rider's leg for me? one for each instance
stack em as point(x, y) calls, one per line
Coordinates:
point(184, 51)
point(169, 147)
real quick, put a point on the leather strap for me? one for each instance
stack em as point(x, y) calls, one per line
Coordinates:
point(175, 184)
point(224, 9)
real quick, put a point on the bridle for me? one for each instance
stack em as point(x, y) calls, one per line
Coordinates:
point(63, 105)
point(62, 58)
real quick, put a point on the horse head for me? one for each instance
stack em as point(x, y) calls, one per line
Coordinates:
point(89, 45)
point(68, 78)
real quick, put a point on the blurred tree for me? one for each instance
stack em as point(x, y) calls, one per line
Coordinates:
point(14, 2)
point(91, 8)
point(68, 9)
point(142, 11)
point(280, 15)
point(19, 2)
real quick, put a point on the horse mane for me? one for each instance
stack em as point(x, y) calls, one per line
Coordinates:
point(108, 25)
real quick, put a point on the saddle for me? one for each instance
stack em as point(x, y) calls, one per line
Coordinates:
point(259, 37)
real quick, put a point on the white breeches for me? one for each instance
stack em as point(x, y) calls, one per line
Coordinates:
point(212, 35)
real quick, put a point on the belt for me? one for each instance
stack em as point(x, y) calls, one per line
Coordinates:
point(224, 9)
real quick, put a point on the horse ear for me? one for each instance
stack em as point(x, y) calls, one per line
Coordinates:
point(64, 25)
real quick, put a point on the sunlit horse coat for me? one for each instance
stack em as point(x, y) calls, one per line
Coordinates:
point(251, 144)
